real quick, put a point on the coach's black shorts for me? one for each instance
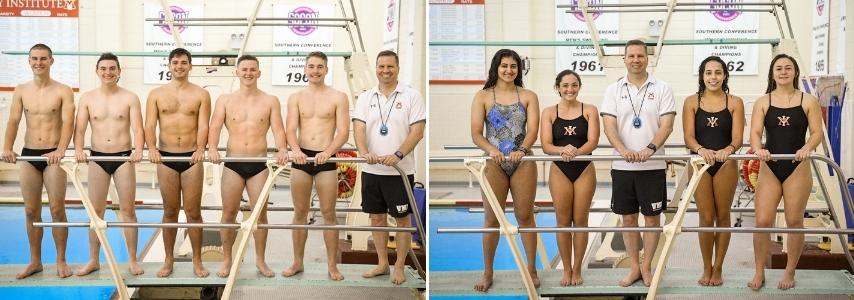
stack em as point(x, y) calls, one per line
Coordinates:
point(644, 190)
point(383, 194)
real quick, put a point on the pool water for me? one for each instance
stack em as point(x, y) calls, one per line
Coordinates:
point(464, 251)
point(15, 250)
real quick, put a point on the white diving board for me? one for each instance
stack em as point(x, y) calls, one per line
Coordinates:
point(603, 282)
point(314, 275)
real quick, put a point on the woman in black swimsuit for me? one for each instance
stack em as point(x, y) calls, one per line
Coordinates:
point(713, 123)
point(568, 129)
point(784, 113)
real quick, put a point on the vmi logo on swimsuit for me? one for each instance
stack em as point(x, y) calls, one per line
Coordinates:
point(569, 130)
point(784, 121)
point(713, 122)
point(402, 208)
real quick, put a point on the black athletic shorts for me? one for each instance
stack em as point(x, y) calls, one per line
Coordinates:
point(383, 194)
point(644, 190)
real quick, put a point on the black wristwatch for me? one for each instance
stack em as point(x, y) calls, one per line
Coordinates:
point(398, 154)
point(652, 146)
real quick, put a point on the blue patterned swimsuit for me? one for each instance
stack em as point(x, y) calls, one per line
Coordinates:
point(505, 128)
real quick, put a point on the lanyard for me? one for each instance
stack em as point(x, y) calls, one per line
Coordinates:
point(636, 122)
point(383, 123)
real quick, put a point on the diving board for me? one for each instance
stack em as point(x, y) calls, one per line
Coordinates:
point(314, 275)
point(603, 282)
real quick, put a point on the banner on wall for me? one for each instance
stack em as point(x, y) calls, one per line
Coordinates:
point(159, 38)
point(573, 27)
point(26, 23)
point(457, 20)
point(820, 37)
point(302, 36)
point(728, 22)
point(391, 26)
point(839, 59)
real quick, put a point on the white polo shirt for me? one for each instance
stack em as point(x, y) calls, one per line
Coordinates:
point(649, 102)
point(403, 108)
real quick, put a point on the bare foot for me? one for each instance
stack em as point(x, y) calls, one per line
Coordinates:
point(90, 267)
point(293, 270)
point(707, 274)
point(135, 269)
point(63, 270)
point(787, 282)
point(717, 277)
point(484, 284)
point(576, 278)
point(566, 280)
point(535, 278)
point(398, 277)
point(264, 269)
point(376, 271)
point(647, 277)
point(31, 269)
point(757, 282)
point(165, 270)
point(224, 270)
point(200, 270)
point(633, 276)
point(334, 274)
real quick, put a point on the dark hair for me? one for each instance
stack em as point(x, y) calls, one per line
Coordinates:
point(317, 54)
point(772, 85)
point(634, 42)
point(108, 56)
point(389, 53)
point(246, 57)
point(492, 75)
point(565, 73)
point(41, 46)
point(181, 51)
point(702, 85)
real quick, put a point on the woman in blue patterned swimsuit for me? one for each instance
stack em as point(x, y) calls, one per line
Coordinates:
point(510, 114)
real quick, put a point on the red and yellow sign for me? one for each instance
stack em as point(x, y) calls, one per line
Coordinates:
point(39, 8)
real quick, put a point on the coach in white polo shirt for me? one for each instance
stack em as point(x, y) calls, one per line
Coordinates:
point(388, 123)
point(638, 112)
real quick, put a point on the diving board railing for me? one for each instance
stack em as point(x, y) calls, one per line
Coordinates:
point(477, 166)
point(669, 6)
point(195, 54)
point(246, 227)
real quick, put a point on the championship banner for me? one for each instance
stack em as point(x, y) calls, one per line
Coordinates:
point(159, 38)
point(729, 22)
point(26, 23)
point(572, 27)
point(301, 36)
point(820, 37)
point(391, 26)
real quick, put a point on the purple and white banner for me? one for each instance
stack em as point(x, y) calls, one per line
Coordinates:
point(572, 27)
point(391, 25)
point(727, 22)
point(302, 36)
point(820, 37)
point(159, 38)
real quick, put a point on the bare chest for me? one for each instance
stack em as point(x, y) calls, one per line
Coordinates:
point(316, 109)
point(174, 105)
point(237, 113)
point(44, 104)
point(110, 109)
